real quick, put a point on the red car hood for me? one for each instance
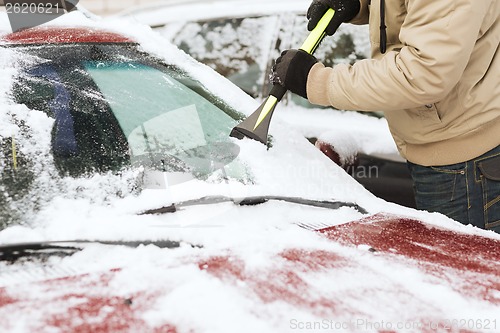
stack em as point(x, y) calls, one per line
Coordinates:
point(382, 273)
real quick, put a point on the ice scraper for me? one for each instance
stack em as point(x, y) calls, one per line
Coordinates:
point(256, 126)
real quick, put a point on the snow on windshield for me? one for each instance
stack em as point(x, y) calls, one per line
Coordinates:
point(238, 43)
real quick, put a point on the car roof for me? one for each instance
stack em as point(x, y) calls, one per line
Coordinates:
point(63, 35)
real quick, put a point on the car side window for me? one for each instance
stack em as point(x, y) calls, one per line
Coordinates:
point(347, 45)
point(237, 48)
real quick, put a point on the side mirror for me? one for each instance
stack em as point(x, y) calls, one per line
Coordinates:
point(345, 160)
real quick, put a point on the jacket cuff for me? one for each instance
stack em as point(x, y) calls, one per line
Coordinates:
point(318, 83)
point(324, 87)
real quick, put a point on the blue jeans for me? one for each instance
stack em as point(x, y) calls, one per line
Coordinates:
point(467, 192)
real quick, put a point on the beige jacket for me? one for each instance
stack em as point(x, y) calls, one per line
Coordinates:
point(438, 82)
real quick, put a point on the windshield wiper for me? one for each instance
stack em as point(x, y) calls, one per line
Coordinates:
point(41, 250)
point(253, 201)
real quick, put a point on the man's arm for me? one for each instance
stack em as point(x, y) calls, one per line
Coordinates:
point(438, 39)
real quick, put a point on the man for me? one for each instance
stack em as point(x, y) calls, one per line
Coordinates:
point(435, 71)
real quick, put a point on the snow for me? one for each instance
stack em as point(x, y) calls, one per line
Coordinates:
point(371, 287)
point(349, 132)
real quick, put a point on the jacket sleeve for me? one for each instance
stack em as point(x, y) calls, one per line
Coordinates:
point(437, 40)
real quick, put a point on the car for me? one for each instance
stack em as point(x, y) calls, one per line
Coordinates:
point(241, 39)
point(127, 207)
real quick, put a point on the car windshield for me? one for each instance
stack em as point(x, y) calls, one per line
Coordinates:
point(115, 106)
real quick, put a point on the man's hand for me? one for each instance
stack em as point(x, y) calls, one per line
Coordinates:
point(345, 10)
point(291, 70)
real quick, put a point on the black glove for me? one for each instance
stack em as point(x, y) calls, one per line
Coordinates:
point(345, 10)
point(291, 70)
